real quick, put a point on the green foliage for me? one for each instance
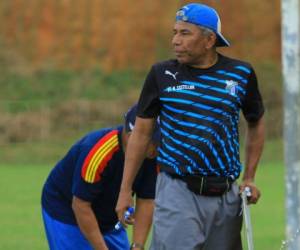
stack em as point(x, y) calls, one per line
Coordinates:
point(62, 85)
point(43, 106)
point(270, 80)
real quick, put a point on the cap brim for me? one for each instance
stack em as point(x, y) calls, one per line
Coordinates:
point(221, 41)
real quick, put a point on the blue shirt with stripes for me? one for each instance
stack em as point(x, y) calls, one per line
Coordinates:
point(199, 114)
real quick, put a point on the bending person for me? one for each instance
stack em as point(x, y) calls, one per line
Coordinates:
point(80, 194)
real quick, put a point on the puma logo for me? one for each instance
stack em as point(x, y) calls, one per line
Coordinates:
point(167, 72)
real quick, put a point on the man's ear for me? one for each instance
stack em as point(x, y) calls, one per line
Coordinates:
point(211, 40)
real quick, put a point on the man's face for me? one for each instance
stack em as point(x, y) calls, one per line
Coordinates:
point(189, 43)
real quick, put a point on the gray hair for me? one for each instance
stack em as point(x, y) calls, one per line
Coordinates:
point(206, 31)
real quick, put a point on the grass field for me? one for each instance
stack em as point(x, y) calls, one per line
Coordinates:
point(21, 225)
point(268, 215)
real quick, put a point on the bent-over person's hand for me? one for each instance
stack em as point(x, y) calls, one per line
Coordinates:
point(255, 193)
point(125, 201)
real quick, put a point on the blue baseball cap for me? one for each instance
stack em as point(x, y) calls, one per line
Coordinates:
point(205, 16)
point(130, 121)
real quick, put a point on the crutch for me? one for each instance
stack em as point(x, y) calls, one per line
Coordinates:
point(247, 219)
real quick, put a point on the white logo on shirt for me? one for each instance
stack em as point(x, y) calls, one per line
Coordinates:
point(231, 87)
point(167, 72)
point(179, 88)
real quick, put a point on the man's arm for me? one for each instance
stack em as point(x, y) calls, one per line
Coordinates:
point(134, 156)
point(142, 221)
point(87, 223)
point(255, 137)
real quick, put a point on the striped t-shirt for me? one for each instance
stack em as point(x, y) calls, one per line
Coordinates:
point(199, 114)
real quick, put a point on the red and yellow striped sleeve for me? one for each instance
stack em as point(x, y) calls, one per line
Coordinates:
point(98, 157)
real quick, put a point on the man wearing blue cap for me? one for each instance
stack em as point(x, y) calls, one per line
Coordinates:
point(80, 194)
point(198, 97)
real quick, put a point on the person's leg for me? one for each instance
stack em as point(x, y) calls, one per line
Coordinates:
point(226, 232)
point(117, 240)
point(182, 219)
point(63, 236)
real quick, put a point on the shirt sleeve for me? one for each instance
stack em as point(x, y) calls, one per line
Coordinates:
point(149, 104)
point(253, 108)
point(95, 154)
point(144, 184)
point(81, 188)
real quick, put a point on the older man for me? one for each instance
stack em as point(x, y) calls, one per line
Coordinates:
point(198, 97)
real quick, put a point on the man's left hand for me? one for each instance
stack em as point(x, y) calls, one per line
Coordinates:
point(255, 193)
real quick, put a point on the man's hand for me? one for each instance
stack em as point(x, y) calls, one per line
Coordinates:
point(124, 202)
point(255, 193)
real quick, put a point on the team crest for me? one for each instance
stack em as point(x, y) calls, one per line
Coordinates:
point(231, 87)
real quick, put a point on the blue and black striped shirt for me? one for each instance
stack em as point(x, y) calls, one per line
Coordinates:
point(199, 114)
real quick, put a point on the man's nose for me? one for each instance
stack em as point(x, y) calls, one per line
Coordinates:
point(176, 40)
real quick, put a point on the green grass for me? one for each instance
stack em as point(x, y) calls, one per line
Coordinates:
point(21, 225)
point(20, 187)
point(268, 215)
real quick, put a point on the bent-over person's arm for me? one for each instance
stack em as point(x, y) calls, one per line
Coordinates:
point(88, 224)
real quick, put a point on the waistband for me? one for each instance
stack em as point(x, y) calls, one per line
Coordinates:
point(204, 185)
point(169, 171)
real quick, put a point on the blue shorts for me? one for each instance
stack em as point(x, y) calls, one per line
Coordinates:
point(63, 236)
